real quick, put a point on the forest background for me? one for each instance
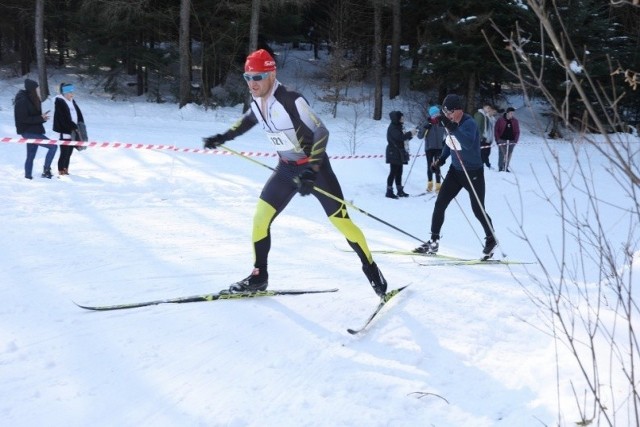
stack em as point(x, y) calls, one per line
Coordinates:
point(192, 50)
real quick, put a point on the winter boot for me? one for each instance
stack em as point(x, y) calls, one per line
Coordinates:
point(401, 192)
point(376, 279)
point(438, 185)
point(390, 193)
point(429, 186)
point(431, 247)
point(258, 280)
point(489, 245)
point(46, 173)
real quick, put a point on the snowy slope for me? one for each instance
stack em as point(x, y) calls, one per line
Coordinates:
point(463, 346)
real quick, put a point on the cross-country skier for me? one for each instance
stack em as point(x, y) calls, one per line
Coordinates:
point(300, 139)
point(466, 171)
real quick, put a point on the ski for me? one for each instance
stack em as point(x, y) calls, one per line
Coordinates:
point(449, 259)
point(222, 295)
point(472, 262)
point(383, 301)
point(426, 193)
point(420, 254)
point(405, 252)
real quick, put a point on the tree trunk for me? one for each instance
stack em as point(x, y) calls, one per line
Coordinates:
point(39, 45)
point(471, 93)
point(394, 72)
point(185, 55)
point(140, 87)
point(377, 59)
point(24, 39)
point(254, 29)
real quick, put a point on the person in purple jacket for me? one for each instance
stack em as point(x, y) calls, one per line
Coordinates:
point(507, 133)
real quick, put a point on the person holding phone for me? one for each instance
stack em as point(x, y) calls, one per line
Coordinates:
point(30, 120)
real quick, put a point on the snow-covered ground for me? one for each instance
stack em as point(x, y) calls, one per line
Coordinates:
point(463, 346)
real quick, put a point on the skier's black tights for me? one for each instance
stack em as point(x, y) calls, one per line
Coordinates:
point(454, 182)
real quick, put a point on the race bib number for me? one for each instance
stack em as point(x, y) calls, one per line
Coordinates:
point(281, 141)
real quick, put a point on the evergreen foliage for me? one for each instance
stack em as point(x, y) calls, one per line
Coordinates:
point(448, 46)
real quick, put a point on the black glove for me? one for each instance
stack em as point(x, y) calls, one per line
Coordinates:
point(435, 165)
point(449, 124)
point(423, 130)
point(214, 141)
point(305, 181)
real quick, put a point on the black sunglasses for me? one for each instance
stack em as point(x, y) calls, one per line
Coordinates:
point(255, 77)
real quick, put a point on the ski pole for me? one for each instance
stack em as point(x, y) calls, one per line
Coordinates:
point(329, 195)
point(423, 139)
point(413, 163)
point(455, 199)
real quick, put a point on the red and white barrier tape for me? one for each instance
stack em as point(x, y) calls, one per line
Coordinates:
point(117, 144)
point(126, 145)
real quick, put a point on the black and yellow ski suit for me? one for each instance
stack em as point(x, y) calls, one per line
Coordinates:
point(300, 139)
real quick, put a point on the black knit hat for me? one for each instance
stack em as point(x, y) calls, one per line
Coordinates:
point(452, 102)
point(30, 84)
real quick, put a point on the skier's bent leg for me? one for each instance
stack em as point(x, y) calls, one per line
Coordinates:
point(354, 237)
point(358, 243)
point(261, 235)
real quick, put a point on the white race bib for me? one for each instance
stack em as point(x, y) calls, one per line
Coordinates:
point(453, 142)
point(281, 141)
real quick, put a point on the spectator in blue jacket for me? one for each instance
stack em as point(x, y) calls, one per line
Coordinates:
point(462, 142)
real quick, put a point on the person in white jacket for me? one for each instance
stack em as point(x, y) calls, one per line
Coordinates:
point(485, 119)
point(67, 118)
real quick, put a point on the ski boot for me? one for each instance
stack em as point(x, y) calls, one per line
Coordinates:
point(430, 248)
point(258, 280)
point(376, 279)
point(489, 245)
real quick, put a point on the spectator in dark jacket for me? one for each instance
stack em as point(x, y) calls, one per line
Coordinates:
point(396, 154)
point(30, 120)
point(66, 120)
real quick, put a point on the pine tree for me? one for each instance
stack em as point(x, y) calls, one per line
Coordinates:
point(456, 57)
